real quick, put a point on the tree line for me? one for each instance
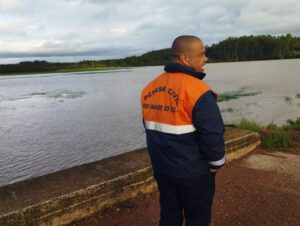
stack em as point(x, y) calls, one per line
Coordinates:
point(261, 47)
point(244, 48)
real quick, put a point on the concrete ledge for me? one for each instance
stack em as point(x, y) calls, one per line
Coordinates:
point(240, 142)
point(74, 193)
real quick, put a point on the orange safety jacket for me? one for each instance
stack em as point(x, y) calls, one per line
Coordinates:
point(183, 124)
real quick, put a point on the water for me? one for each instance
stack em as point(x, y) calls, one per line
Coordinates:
point(49, 122)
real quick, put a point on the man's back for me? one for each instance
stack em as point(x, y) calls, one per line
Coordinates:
point(173, 143)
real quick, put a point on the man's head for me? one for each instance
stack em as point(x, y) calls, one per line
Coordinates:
point(190, 51)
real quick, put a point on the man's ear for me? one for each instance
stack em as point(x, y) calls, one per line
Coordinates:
point(184, 59)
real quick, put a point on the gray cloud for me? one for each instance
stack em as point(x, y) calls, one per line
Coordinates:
point(118, 28)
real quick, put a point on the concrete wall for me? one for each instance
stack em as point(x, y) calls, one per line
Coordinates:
point(71, 194)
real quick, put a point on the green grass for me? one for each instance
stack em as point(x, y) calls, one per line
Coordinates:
point(227, 110)
point(272, 135)
point(89, 69)
point(278, 138)
point(288, 99)
point(65, 70)
point(250, 125)
point(272, 126)
point(292, 124)
point(226, 96)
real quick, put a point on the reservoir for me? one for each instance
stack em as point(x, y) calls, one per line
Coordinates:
point(49, 122)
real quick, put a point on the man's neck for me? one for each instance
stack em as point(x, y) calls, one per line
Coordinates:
point(179, 67)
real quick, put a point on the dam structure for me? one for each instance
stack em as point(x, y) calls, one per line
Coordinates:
point(71, 194)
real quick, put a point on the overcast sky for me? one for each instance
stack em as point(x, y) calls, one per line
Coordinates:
point(80, 29)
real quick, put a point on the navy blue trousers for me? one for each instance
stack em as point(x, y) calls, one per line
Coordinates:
point(189, 199)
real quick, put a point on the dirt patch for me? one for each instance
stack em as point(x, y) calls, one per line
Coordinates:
point(282, 163)
point(262, 188)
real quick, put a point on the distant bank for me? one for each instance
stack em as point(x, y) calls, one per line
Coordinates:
point(41, 69)
point(232, 49)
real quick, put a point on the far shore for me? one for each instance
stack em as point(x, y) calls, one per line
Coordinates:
point(95, 69)
point(66, 71)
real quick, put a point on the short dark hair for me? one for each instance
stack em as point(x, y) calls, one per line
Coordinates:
point(180, 45)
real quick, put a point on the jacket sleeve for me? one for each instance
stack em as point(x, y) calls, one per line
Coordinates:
point(208, 121)
point(143, 121)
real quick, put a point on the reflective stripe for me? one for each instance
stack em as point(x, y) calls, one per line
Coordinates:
point(218, 163)
point(168, 128)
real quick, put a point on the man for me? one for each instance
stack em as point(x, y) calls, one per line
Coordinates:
point(184, 132)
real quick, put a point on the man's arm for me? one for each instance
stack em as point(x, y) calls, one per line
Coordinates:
point(208, 121)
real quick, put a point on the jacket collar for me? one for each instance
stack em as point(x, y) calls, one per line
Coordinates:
point(177, 67)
